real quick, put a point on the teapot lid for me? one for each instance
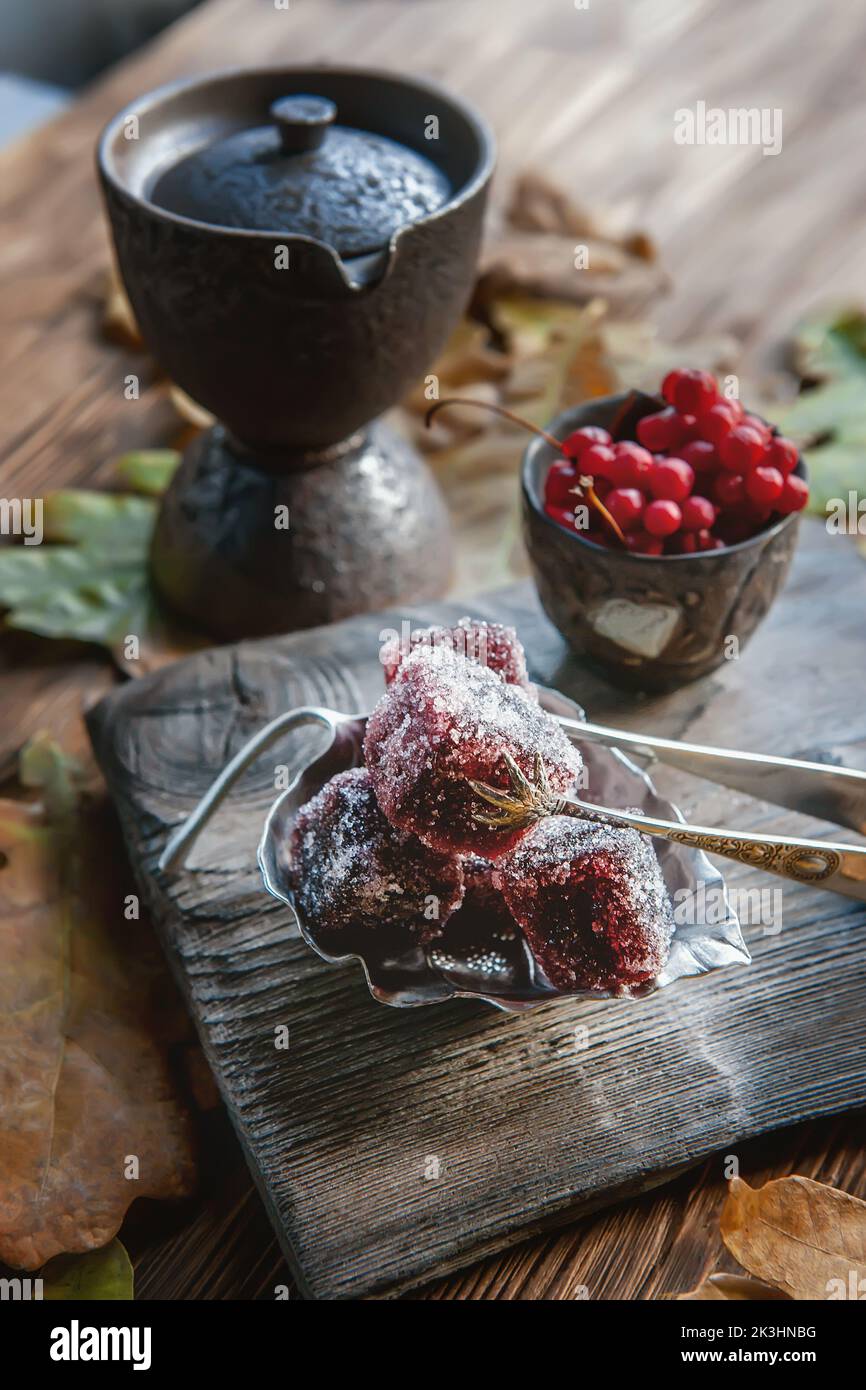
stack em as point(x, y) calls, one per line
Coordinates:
point(305, 175)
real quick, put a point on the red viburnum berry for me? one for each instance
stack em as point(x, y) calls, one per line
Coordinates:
point(692, 542)
point(716, 422)
point(631, 466)
point(764, 486)
point(564, 515)
point(690, 391)
point(671, 479)
point(729, 489)
point(662, 517)
point(626, 505)
point(575, 446)
point(559, 483)
point(660, 431)
point(698, 513)
point(689, 430)
point(794, 494)
point(669, 384)
point(598, 460)
point(759, 426)
point(701, 454)
point(742, 449)
point(642, 543)
point(782, 454)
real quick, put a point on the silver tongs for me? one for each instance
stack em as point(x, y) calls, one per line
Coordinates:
point(836, 794)
point(833, 793)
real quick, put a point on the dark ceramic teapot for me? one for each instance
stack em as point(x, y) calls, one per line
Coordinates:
point(297, 245)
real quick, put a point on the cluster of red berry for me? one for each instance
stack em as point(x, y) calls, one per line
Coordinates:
point(701, 475)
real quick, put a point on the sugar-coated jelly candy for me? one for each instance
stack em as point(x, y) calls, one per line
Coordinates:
point(487, 644)
point(592, 903)
point(444, 720)
point(349, 868)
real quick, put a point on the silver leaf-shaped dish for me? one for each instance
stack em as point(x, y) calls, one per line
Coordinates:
point(483, 958)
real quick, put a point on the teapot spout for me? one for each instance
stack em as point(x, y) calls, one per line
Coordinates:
point(363, 272)
point(326, 273)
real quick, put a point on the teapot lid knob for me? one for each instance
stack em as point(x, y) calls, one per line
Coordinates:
point(302, 121)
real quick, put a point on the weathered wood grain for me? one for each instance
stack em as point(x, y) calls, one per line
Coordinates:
point(527, 1131)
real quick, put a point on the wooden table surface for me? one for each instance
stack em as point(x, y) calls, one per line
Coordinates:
point(751, 241)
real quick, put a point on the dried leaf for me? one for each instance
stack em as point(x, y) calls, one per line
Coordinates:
point(532, 250)
point(468, 357)
point(800, 1236)
point(85, 1085)
point(539, 205)
point(104, 1275)
point(640, 358)
point(544, 266)
point(727, 1287)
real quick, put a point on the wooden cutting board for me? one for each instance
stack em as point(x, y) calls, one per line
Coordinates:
point(391, 1143)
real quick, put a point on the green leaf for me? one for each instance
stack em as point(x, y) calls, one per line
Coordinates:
point(30, 575)
point(100, 610)
point(95, 586)
point(828, 345)
point(43, 766)
point(148, 470)
point(116, 522)
point(104, 1274)
point(828, 419)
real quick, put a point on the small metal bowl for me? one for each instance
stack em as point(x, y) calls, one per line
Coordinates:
point(649, 622)
point(476, 958)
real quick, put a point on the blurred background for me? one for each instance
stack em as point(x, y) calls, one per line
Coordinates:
point(49, 48)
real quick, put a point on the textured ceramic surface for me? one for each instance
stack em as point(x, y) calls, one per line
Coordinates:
point(476, 959)
point(352, 190)
point(292, 346)
point(283, 341)
point(651, 623)
point(366, 527)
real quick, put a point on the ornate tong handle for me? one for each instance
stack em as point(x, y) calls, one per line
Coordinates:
point(823, 790)
point(841, 868)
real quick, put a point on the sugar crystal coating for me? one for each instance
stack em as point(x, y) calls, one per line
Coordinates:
point(444, 720)
point(487, 644)
point(349, 867)
point(592, 902)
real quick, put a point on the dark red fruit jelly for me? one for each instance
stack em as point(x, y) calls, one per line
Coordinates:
point(482, 894)
point(442, 721)
point(349, 868)
point(487, 644)
point(592, 903)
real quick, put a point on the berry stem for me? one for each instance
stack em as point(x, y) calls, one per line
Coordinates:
point(497, 410)
point(599, 505)
point(550, 439)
